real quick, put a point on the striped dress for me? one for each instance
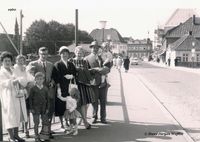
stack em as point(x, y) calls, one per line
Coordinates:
point(83, 78)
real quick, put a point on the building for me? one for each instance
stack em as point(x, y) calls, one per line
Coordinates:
point(179, 16)
point(188, 31)
point(184, 52)
point(86, 48)
point(117, 43)
point(140, 48)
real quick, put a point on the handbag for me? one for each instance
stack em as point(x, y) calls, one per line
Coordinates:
point(72, 85)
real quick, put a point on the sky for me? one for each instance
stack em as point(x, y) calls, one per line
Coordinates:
point(132, 18)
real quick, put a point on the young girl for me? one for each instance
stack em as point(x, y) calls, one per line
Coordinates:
point(107, 58)
point(71, 113)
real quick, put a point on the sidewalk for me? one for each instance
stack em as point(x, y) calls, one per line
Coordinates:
point(133, 114)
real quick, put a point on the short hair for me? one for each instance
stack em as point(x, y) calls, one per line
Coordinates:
point(78, 48)
point(43, 49)
point(39, 74)
point(6, 54)
point(74, 93)
point(20, 57)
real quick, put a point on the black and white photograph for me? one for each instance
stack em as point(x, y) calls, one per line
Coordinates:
point(100, 71)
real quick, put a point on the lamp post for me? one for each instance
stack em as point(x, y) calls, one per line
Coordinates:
point(103, 25)
point(193, 53)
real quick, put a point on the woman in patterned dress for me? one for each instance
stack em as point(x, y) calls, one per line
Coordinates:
point(83, 80)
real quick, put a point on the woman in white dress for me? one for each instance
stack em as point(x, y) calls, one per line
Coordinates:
point(20, 72)
point(9, 97)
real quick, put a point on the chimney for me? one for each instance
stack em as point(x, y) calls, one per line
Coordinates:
point(190, 32)
point(193, 19)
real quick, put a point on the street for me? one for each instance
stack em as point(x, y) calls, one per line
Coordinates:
point(144, 105)
point(177, 90)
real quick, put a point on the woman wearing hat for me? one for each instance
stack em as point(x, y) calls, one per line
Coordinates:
point(63, 72)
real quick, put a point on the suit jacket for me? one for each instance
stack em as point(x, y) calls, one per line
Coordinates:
point(39, 67)
point(96, 61)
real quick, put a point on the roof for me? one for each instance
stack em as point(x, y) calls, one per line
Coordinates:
point(97, 34)
point(180, 16)
point(185, 43)
point(192, 24)
point(85, 47)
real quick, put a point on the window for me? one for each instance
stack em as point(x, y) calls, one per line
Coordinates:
point(185, 57)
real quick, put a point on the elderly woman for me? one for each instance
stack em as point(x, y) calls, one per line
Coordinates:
point(83, 79)
point(20, 72)
point(62, 73)
point(11, 111)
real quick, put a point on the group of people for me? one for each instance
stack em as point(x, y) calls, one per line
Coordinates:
point(63, 89)
point(119, 61)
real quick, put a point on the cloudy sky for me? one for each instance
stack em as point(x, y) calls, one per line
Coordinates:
point(132, 18)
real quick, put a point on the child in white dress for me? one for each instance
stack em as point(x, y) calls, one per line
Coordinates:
point(107, 58)
point(71, 113)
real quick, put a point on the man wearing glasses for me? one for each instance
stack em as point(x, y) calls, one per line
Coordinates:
point(46, 67)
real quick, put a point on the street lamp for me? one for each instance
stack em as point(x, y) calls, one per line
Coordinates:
point(103, 25)
point(193, 53)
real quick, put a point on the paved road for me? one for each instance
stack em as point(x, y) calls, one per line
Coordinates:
point(133, 113)
point(178, 90)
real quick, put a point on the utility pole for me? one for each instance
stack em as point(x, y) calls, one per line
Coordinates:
point(21, 45)
point(76, 28)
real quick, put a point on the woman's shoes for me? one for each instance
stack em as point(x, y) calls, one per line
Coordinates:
point(27, 134)
point(88, 127)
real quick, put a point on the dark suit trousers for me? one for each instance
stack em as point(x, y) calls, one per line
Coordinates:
point(100, 97)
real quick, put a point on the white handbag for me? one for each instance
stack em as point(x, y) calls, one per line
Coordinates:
point(72, 85)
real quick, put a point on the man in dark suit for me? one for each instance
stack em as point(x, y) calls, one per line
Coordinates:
point(97, 69)
point(46, 67)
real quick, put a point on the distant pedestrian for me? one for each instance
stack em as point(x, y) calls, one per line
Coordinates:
point(119, 62)
point(126, 63)
point(39, 105)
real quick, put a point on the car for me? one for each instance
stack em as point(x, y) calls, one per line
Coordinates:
point(134, 61)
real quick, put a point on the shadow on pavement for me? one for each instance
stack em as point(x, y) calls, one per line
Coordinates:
point(122, 132)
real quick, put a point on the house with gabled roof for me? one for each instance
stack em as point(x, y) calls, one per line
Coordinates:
point(178, 17)
point(184, 52)
point(117, 43)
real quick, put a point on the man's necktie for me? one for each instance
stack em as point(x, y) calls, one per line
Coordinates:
point(44, 67)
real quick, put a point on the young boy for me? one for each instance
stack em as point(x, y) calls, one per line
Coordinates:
point(39, 105)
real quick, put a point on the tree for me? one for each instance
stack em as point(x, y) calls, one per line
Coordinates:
point(36, 35)
point(52, 35)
